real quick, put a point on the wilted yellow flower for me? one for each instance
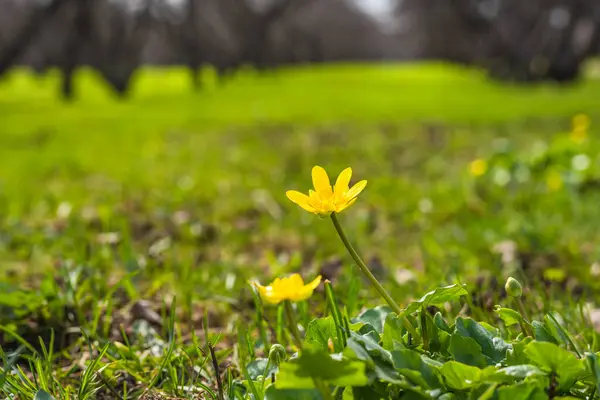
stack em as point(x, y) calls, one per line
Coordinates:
point(326, 199)
point(478, 167)
point(290, 288)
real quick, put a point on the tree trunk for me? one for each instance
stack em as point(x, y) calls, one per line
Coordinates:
point(17, 46)
point(67, 90)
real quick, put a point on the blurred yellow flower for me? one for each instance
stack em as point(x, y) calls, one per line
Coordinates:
point(290, 288)
point(478, 167)
point(579, 128)
point(578, 135)
point(581, 121)
point(554, 181)
point(326, 199)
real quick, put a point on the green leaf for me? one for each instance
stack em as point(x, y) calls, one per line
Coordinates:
point(364, 392)
point(412, 393)
point(460, 376)
point(447, 396)
point(16, 302)
point(378, 359)
point(594, 369)
point(348, 394)
point(272, 393)
point(439, 321)
point(43, 395)
point(484, 391)
point(552, 358)
point(362, 328)
point(371, 346)
point(319, 332)
point(410, 364)
point(375, 317)
point(492, 347)
point(556, 330)
point(522, 391)
point(516, 355)
point(257, 367)
point(436, 297)
point(541, 333)
point(315, 363)
point(509, 316)
point(521, 371)
point(559, 332)
point(393, 330)
point(467, 351)
point(438, 339)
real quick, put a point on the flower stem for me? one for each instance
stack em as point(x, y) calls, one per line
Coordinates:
point(524, 326)
point(293, 325)
point(363, 267)
point(424, 334)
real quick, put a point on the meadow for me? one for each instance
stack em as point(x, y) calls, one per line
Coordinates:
point(131, 228)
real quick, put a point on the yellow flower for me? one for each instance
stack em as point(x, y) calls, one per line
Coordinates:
point(291, 288)
point(579, 128)
point(478, 167)
point(578, 135)
point(554, 181)
point(326, 199)
point(580, 122)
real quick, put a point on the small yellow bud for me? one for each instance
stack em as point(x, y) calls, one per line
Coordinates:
point(330, 345)
point(513, 287)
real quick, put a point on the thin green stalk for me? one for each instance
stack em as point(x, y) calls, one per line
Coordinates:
point(566, 334)
point(293, 326)
point(363, 267)
point(280, 324)
point(424, 334)
point(336, 315)
point(524, 326)
point(259, 321)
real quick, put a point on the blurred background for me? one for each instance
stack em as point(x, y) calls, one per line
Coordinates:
point(511, 39)
point(147, 145)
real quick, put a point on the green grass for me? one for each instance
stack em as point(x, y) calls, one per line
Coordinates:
point(171, 194)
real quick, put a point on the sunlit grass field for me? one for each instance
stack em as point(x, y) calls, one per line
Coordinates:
point(110, 209)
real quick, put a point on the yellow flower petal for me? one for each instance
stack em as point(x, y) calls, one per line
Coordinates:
point(300, 199)
point(295, 280)
point(313, 285)
point(355, 190)
point(272, 298)
point(291, 288)
point(262, 291)
point(314, 196)
point(307, 290)
point(321, 182)
point(325, 199)
point(301, 294)
point(342, 182)
point(267, 293)
point(346, 205)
